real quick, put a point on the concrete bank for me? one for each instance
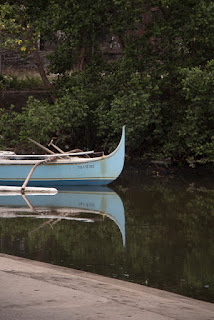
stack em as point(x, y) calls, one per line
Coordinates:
point(35, 290)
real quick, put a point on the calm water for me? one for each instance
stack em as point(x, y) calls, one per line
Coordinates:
point(153, 231)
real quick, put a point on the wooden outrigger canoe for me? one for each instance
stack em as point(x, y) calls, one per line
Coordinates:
point(62, 169)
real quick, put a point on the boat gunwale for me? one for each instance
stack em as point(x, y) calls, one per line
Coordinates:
point(56, 162)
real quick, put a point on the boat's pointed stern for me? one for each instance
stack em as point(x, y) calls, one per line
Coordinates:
point(115, 160)
point(121, 145)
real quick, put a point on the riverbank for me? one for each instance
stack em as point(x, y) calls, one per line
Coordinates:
point(35, 290)
point(166, 170)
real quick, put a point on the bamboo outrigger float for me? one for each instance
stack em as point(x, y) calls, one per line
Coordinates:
point(14, 190)
point(61, 169)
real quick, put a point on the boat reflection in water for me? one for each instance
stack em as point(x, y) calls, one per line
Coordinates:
point(67, 204)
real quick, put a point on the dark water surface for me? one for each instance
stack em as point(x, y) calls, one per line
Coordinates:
point(153, 231)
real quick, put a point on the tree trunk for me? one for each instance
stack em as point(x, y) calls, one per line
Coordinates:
point(0, 64)
point(48, 85)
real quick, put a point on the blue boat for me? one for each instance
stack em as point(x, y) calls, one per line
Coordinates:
point(62, 169)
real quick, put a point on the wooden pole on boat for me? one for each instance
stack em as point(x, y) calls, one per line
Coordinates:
point(41, 146)
point(57, 148)
point(32, 171)
point(61, 151)
point(30, 174)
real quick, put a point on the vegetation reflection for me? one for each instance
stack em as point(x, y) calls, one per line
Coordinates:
point(166, 240)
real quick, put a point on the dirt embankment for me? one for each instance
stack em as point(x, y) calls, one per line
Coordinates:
point(19, 98)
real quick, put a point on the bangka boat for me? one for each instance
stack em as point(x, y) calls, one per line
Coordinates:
point(62, 169)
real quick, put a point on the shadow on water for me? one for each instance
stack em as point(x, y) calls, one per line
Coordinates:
point(156, 232)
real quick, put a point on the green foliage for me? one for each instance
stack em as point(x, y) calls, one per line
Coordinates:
point(41, 121)
point(84, 25)
point(11, 82)
point(133, 104)
point(182, 33)
point(198, 125)
point(16, 31)
point(92, 107)
point(9, 127)
point(114, 99)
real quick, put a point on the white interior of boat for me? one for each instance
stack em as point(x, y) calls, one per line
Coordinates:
point(12, 155)
point(9, 157)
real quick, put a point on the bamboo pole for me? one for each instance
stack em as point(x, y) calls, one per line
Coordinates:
point(41, 161)
point(61, 151)
point(57, 148)
point(29, 175)
point(32, 171)
point(41, 146)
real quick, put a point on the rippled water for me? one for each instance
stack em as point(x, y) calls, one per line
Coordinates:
point(156, 231)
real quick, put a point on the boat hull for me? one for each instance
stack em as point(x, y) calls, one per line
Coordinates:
point(97, 171)
point(58, 183)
